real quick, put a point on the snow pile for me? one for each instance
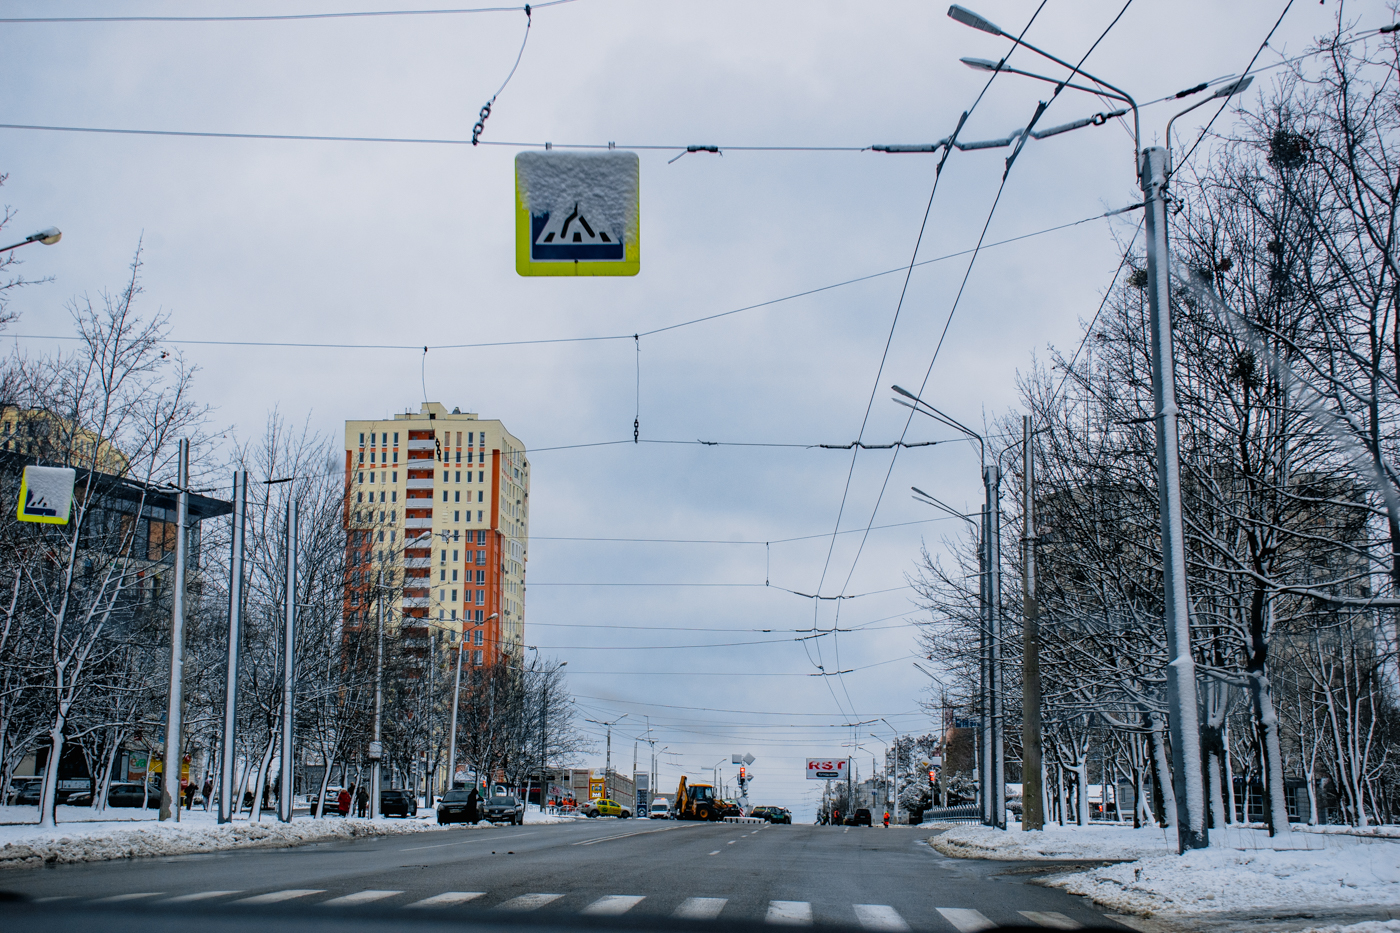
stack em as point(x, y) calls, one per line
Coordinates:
point(1096, 841)
point(1221, 879)
point(533, 815)
point(1369, 926)
point(601, 185)
point(98, 840)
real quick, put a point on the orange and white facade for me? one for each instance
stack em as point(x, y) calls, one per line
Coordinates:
point(438, 502)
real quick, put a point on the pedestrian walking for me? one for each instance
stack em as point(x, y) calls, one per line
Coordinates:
point(836, 817)
point(208, 792)
point(887, 819)
point(473, 800)
point(362, 801)
point(342, 802)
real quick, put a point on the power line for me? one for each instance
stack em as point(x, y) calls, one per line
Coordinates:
point(283, 17)
point(848, 531)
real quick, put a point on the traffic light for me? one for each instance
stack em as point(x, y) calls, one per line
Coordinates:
point(743, 773)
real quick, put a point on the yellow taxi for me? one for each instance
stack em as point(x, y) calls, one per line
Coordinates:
point(605, 807)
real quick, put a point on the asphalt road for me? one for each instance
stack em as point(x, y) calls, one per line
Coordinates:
point(875, 878)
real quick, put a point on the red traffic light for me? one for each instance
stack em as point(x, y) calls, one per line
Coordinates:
point(743, 772)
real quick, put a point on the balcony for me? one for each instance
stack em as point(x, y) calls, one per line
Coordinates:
point(422, 444)
point(424, 523)
point(426, 483)
point(415, 602)
point(418, 563)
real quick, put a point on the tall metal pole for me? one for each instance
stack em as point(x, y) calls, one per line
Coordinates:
point(984, 735)
point(170, 776)
point(1032, 794)
point(452, 726)
point(289, 635)
point(997, 764)
point(235, 625)
point(1181, 667)
point(376, 746)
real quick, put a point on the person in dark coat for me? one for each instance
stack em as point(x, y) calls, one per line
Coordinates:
point(342, 802)
point(473, 806)
point(362, 801)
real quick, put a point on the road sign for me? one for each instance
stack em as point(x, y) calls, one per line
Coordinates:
point(576, 213)
point(827, 769)
point(46, 494)
point(376, 751)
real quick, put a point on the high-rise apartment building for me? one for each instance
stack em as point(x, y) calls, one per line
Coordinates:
point(438, 502)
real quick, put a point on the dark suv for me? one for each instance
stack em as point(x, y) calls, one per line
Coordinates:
point(860, 818)
point(396, 802)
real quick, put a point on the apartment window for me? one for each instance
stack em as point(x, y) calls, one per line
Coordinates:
point(381, 538)
point(456, 536)
point(454, 577)
point(392, 535)
point(396, 438)
point(478, 636)
point(454, 615)
point(396, 473)
point(394, 495)
point(371, 456)
point(442, 576)
point(362, 456)
point(480, 495)
point(371, 476)
point(444, 494)
point(457, 496)
point(459, 456)
point(459, 476)
point(481, 534)
point(480, 476)
point(470, 436)
point(456, 516)
point(481, 557)
point(444, 476)
point(454, 556)
point(454, 592)
point(442, 597)
point(371, 439)
point(362, 434)
point(393, 516)
point(381, 515)
point(469, 460)
point(459, 438)
point(444, 556)
point(476, 657)
point(481, 576)
point(381, 499)
point(481, 597)
point(361, 497)
point(396, 456)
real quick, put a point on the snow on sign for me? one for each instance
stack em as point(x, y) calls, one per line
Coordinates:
point(827, 769)
point(576, 213)
point(46, 495)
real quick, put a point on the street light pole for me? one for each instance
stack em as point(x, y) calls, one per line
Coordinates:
point(376, 746)
point(289, 635)
point(235, 625)
point(174, 710)
point(1032, 793)
point(452, 725)
point(48, 237)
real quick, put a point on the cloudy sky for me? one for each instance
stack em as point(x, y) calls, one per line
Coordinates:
point(648, 562)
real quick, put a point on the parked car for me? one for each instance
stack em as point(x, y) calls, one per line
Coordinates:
point(503, 808)
point(331, 800)
point(727, 808)
point(660, 809)
point(397, 802)
point(24, 791)
point(605, 807)
point(452, 808)
point(860, 818)
point(131, 794)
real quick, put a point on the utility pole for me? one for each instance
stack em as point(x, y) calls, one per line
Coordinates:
point(452, 725)
point(376, 746)
point(984, 733)
point(1032, 794)
point(1181, 667)
point(607, 768)
point(289, 636)
point(174, 710)
point(235, 625)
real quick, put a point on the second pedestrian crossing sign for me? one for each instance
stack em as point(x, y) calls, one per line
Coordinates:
point(46, 495)
point(576, 213)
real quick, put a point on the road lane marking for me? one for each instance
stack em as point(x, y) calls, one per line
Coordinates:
point(613, 904)
point(463, 842)
point(880, 917)
point(197, 896)
point(731, 842)
point(50, 900)
point(448, 899)
point(1052, 919)
point(529, 901)
point(795, 913)
point(277, 897)
point(359, 897)
point(701, 908)
point(117, 898)
point(715, 852)
point(965, 919)
point(640, 832)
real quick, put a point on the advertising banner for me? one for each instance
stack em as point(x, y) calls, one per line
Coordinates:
point(828, 769)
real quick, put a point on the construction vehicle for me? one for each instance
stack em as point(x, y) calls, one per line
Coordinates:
point(696, 802)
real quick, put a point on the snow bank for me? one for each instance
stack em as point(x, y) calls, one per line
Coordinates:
point(1221, 879)
point(1096, 841)
point(533, 815)
point(1370, 926)
point(134, 833)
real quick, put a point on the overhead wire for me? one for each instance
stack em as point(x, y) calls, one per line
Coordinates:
point(280, 17)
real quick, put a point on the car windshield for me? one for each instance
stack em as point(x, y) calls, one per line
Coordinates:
point(704, 793)
point(503, 799)
point(457, 796)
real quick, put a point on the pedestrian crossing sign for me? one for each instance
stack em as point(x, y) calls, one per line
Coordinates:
point(46, 494)
point(576, 213)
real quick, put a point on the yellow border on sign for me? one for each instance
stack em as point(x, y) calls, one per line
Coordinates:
point(25, 517)
point(524, 265)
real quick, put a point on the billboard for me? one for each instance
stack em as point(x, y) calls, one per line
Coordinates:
point(828, 769)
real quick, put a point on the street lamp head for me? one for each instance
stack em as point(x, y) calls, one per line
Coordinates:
point(48, 237)
point(968, 18)
point(1233, 88)
point(977, 64)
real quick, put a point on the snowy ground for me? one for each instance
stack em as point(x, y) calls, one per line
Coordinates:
point(84, 836)
point(1243, 872)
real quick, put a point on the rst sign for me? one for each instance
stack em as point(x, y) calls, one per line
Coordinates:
point(827, 769)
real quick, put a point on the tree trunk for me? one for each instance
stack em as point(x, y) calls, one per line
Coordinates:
point(1162, 775)
point(261, 784)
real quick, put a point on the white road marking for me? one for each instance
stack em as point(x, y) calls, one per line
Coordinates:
point(798, 913)
point(880, 917)
point(640, 832)
point(359, 897)
point(443, 845)
point(701, 908)
point(50, 900)
point(529, 901)
point(277, 897)
point(116, 898)
point(1052, 919)
point(966, 919)
point(197, 896)
point(613, 904)
point(448, 899)
point(731, 842)
point(715, 852)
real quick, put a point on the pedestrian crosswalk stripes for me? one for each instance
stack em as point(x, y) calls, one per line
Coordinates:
point(876, 917)
point(701, 908)
point(613, 904)
point(448, 899)
point(966, 920)
point(359, 897)
point(880, 917)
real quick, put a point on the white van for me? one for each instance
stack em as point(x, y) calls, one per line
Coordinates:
point(660, 809)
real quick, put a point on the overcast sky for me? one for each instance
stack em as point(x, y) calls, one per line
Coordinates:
point(411, 244)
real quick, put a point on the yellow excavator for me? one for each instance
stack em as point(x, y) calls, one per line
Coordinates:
point(696, 802)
